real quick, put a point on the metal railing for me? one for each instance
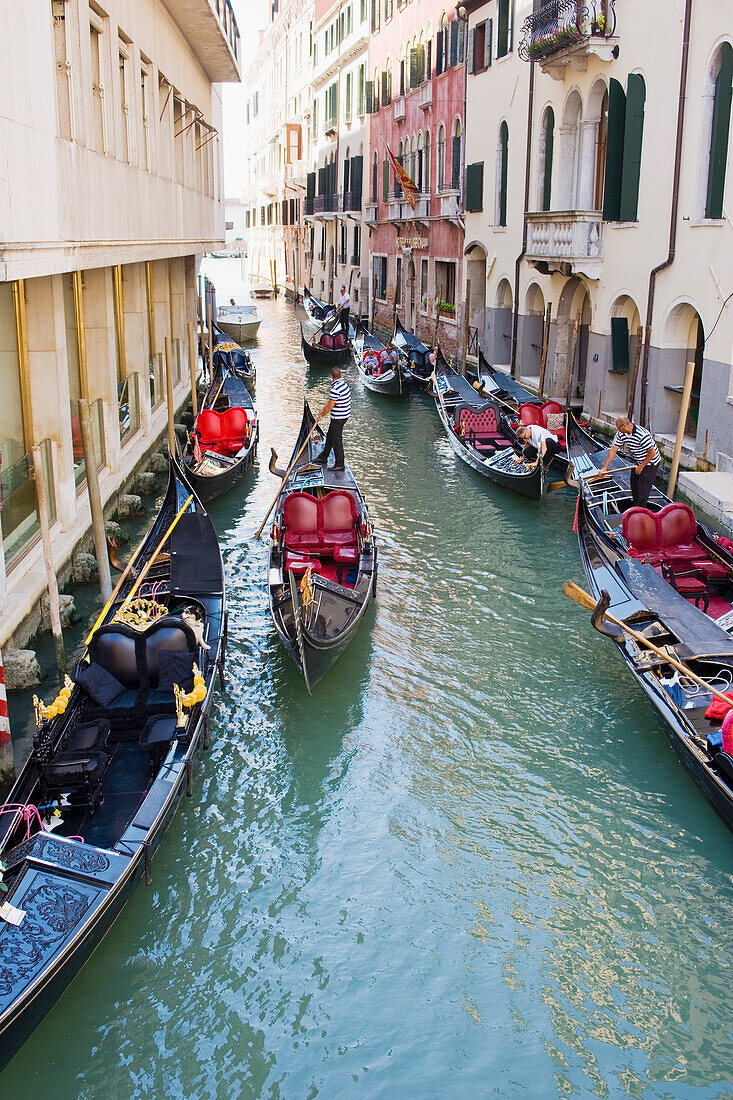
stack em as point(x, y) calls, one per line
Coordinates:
point(563, 23)
point(325, 204)
point(473, 345)
point(352, 200)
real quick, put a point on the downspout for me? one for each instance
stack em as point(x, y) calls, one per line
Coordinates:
point(520, 257)
point(674, 211)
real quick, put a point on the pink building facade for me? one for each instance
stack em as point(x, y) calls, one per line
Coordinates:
point(415, 100)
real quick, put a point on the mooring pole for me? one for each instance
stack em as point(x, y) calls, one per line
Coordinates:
point(95, 499)
point(7, 765)
point(684, 409)
point(211, 343)
point(169, 395)
point(54, 606)
point(192, 363)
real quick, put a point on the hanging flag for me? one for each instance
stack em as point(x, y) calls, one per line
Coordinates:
point(410, 188)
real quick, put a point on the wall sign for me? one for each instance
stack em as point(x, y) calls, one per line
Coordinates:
point(413, 242)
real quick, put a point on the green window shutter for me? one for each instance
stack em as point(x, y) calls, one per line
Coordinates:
point(633, 135)
point(310, 185)
point(357, 169)
point(439, 53)
point(719, 134)
point(453, 43)
point(489, 47)
point(322, 185)
point(475, 186)
point(502, 42)
point(414, 80)
point(368, 87)
point(549, 149)
point(420, 63)
point(620, 345)
point(614, 152)
point(504, 144)
point(385, 180)
point(455, 180)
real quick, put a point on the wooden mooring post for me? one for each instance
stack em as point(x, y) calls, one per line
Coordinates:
point(192, 359)
point(684, 409)
point(169, 395)
point(54, 606)
point(95, 499)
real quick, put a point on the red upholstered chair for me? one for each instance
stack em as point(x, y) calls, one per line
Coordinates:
point(339, 340)
point(345, 555)
point(233, 428)
point(299, 563)
point(677, 528)
point(326, 340)
point(555, 412)
point(530, 414)
point(300, 522)
point(208, 429)
point(689, 584)
point(337, 519)
point(639, 528)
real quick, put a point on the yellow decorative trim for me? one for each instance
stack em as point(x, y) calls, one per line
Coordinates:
point(191, 698)
point(58, 706)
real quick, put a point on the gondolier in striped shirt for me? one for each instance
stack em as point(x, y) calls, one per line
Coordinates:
point(339, 406)
point(636, 443)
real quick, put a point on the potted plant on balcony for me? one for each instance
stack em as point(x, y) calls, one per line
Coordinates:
point(448, 308)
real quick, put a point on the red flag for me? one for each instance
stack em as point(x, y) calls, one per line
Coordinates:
point(412, 193)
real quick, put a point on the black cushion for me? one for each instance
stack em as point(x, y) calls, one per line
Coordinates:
point(158, 731)
point(94, 735)
point(175, 668)
point(113, 647)
point(100, 684)
point(166, 636)
point(73, 769)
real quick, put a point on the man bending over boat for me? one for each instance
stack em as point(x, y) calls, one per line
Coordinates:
point(636, 443)
point(339, 406)
point(539, 443)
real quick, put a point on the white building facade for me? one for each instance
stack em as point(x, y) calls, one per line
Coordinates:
point(112, 190)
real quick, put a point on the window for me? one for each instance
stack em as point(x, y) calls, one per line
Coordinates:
point(375, 179)
point(445, 282)
point(427, 161)
point(63, 69)
point(623, 155)
point(398, 282)
point(144, 86)
point(379, 269)
point(502, 157)
point(385, 180)
point(315, 119)
point(455, 181)
point(342, 249)
point(386, 86)
point(99, 121)
point(478, 53)
point(387, 9)
point(347, 108)
point(293, 137)
point(362, 10)
point(424, 283)
point(375, 15)
point(178, 126)
point(719, 131)
point(475, 186)
point(356, 254)
point(505, 29)
point(547, 141)
point(361, 90)
point(441, 158)
point(124, 104)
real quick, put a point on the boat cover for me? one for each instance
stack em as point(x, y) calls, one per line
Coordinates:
point(195, 561)
point(700, 634)
point(462, 387)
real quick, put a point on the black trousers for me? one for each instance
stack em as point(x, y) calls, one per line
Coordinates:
point(345, 321)
point(641, 484)
point(334, 442)
point(553, 448)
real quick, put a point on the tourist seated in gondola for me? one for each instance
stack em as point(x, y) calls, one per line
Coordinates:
point(371, 361)
point(539, 443)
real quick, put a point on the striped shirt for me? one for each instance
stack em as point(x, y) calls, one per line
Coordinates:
point(636, 446)
point(341, 394)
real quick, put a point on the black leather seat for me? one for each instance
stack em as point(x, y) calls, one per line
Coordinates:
point(79, 766)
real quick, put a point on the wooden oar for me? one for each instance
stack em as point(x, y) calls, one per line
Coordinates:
point(287, 475)
point(584, 599)
point(156, 552)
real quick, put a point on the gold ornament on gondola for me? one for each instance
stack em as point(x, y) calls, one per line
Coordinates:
point(227, 345)
point(140, 613)
point(58, 706)
point(187, 699)
point(306, 587)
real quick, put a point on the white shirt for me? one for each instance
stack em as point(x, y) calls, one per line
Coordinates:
point(537, 434)
point(344, 301)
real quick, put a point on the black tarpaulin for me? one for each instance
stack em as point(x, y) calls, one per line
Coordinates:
point(195, 560)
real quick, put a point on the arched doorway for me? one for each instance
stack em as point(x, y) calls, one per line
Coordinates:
point(571, 346)
point(502, 343)
point(531, 333)
point(684, 342)
point(624, 344)
point(476, 295)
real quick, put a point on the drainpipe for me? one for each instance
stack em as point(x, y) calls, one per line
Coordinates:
point(520, 257)
point(674, 211)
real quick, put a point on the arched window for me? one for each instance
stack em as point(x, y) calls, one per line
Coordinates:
point(502, 157)
point(456, 156)
point(375, 179)
point(722, 74)
point(547, 144)
point(400, 160)
point(441, 158)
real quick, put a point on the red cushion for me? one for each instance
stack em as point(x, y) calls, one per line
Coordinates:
point(677, 526)
point(208, 426)
point(639, 528)
point(326, 340)
point(711, 569)
point(530, 414)
point(345, 554)
point(339, 340)
point(689, 584)
point(300, 517)
point(337, 519)
point(481, 423)
point(299, 564)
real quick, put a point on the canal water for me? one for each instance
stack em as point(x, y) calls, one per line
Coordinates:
point(468, 866)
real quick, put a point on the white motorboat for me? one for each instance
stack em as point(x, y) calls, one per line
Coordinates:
point(239, 320)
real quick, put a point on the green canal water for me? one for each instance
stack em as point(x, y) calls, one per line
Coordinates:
point(468, 866)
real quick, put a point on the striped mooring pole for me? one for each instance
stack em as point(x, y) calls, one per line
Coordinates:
point(7, 770)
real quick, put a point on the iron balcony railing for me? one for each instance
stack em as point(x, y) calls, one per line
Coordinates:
point(308, 204)
point(563, 23)
point(325, 204)
point(352, 200)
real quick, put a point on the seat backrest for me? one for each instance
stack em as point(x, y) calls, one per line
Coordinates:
point(337, 511)
point(676, 524)
point(113, 647)
point(639, 528)
point(339, 340)
point(167, 634)
point(551, 407)
point(234, 422)
point(208, 424)
point(326, 340)
point(530, 414)
point(484, 421)
point(300, 514)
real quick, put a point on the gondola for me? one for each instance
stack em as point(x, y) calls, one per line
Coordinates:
point(418, 367)
point(672, 580)
point(317, 311)
point(498, 383)
point(325, 356)
point(323, 559)
point(481, 433)
point(111, 759)
point(228, 355)
point(223, 444)
point(384, 375)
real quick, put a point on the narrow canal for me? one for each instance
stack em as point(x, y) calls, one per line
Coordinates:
point(469, 865)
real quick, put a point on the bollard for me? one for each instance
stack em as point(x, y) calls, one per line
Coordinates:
point(192, 364)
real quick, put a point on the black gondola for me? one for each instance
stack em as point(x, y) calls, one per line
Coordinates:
point(669, 578)
point(325, 357)
point(497, 383)
point(317, 311)
point(223, 444)
point(419, 367)
point(114, 762)
point(481, 434)
point(228, 355)
point(323, 560)
point(384, 374)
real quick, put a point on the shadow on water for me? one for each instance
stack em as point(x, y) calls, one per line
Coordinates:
point(468, 865)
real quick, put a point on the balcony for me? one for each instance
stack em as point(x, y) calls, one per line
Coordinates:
point(450, 203)
point(355, 261)
point(371, 212)
point(564, 33)
point(330, 126)
point(325, 206)
point(394, 209)
point(566, 241)
point(268, 184)
point(211, 31)
point(352, 201)
point(308, 204)
point(399, 109)
point(425, 95)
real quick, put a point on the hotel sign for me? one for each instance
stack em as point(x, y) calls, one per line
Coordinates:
point(413, 242)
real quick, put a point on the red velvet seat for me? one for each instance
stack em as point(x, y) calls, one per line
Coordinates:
point(300, 520)
point(483, 428)
point(346, 555)
point(639, 528)
point(224, 432)
point(530, 414)
point(677, 529)
point(299, 563)
point(668, 538)
point(339, 341)
point(326, 340)
point(337, 519)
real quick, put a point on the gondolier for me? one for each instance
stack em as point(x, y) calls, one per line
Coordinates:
point(344, 305)
point(339, 407)
point(636, 443)
point(539, 443)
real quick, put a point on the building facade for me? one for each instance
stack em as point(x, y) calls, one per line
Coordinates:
point(277, 117)
point(114, 139)
point(597, 193)
point(415, 95)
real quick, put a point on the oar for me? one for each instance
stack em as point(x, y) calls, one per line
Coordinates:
point(154, 555)
point(584, 480)
point(286, 476)
point(584, 599)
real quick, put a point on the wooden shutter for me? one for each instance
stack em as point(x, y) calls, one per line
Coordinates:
point(489, 43)
point(453, 43)
point(456, 163)
point(475, 186)
point(385, 180)
point(504, 139)
point(357, 169)
point(369, 92)
point(549, 149)
point(413, 70)
point(310, 185)
point(620, 345)
point(397, 184)
point(472, 66)
point(633, 135)
point(332, 178)
point(719, 135)
point(614, 151)
point(420, 63)
point(347, 174)
point(385, 89)
point(461, 40)
point(502, 42)
point(439, 53)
